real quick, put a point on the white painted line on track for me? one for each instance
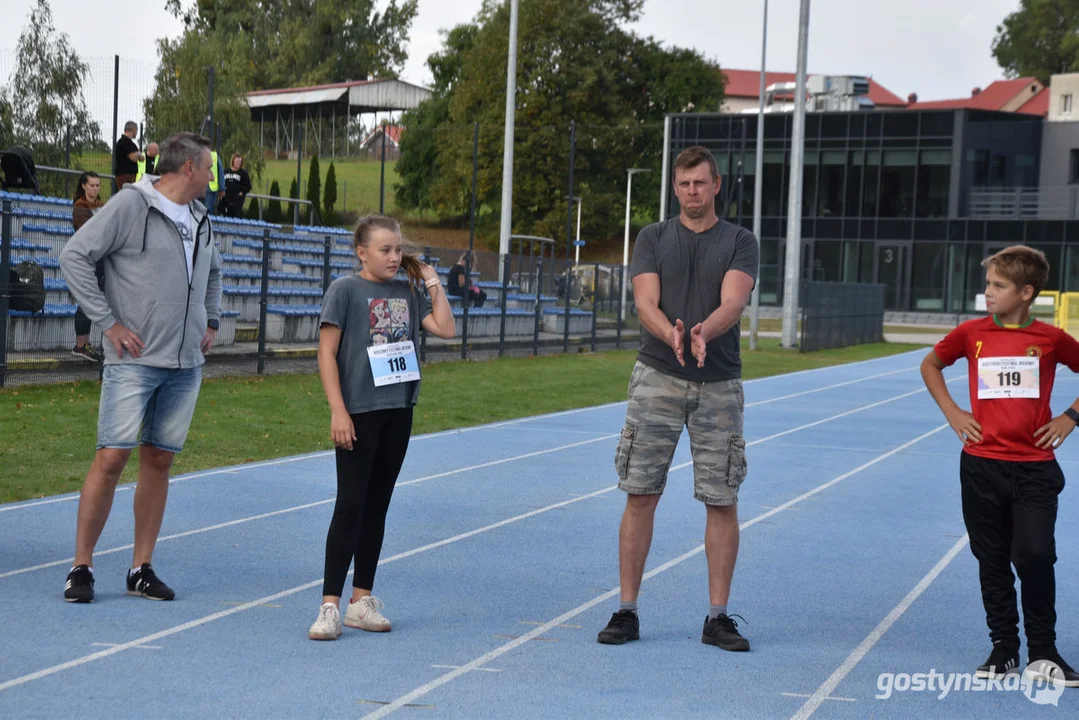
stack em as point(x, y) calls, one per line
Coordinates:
point(569, 615)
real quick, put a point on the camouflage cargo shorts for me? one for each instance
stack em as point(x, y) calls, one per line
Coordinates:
point(660, 406)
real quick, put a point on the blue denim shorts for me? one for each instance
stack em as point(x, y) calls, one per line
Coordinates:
point(161, 400)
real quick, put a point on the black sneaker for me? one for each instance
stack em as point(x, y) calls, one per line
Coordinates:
point(144, 582)
point(80, 585)
point(1040, 669)
point(87, 352)
point(623, 627)
point(722, 632)
point(1002, 662)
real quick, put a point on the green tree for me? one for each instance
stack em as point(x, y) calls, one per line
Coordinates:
point(329, 193)
point(576, 62)
point(44, 103)
point(1040, 39)
point(260, 44)
point(284, 43)
point(273, 207)
point(290, 211)
point(417, 165)
point(7, 120)
point(314, 188)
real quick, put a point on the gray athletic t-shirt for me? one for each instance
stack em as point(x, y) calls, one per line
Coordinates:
point(691, 267)
point(370, 313)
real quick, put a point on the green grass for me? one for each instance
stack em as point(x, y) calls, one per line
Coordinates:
point(357, 182)
point(49, 431)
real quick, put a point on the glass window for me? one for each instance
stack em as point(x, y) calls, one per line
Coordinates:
point(870, 182)
point(873, 125)
point(978, 166)
point(854, 183)
point(834, 125)
point(827, 261)
point(927, 276)
point(956, 277)
point(773, 196)
point(934, 183)
point(830, 188)
point(809, 183)
point(769, 271)
point(900, 125)
point(850, 261)
point(897, 183)
point(937, 124)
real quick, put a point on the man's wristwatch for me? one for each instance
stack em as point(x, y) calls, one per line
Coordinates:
point(1073, 415)
point(213, 324)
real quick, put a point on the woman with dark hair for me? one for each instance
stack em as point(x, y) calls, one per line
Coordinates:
point(237, 185)
point(87, 202)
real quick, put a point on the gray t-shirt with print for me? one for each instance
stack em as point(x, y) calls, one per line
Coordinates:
point(371, 313)
point(691, 267)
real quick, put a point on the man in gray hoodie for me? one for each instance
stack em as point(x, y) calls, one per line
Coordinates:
point(160, 307)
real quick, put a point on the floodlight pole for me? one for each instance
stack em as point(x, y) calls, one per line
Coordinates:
point(506, 222)
point(792, 273)
point(758, 191)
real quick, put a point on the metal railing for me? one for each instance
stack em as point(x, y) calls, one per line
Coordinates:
point(1050, 203)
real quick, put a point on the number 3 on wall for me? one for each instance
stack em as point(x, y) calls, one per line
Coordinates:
point(889, 255)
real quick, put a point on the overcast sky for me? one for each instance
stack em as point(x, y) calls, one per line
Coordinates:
point(937, 48)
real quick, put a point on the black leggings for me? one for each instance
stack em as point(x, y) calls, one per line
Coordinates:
point(366, 475)
point(82, 323)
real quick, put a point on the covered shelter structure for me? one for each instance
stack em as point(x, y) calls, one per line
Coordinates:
point(319, 118)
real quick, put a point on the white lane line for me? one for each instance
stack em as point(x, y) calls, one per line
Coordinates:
point(400, 556)
point(805, 695)
point(153, 637)
point(240, 521)
point(569, 615)
point(454, 667)
point(138, 647)
point(829, 387)
point(874, 637)
point(238, 469)
point(306, 506)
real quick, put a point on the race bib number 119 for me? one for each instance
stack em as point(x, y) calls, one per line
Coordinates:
point(1008, 377)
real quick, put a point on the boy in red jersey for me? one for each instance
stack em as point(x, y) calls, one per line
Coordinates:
point(1008, 473)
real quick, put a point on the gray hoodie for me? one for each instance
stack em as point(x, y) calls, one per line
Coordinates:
point(146, 287)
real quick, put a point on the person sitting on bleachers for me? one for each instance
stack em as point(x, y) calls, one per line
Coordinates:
point(87, 202)
point(458, 281)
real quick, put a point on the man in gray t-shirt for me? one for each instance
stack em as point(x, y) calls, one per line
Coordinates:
point(692, 276)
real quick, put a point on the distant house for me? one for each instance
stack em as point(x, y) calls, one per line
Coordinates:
point(372, 144)
point(742, 91)
point(1025, 96)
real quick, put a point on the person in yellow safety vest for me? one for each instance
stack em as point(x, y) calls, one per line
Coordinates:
point(214, 190)
point(148, 163)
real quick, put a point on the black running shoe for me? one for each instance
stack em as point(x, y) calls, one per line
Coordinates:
point(623, 627)
point(1040, 669)
point(722, 631)
point(1002, 661)
point(80, 585)
point(145, 583)
point(88, 352)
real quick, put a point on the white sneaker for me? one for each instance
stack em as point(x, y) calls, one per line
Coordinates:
point(328, 624)
point(364, 614)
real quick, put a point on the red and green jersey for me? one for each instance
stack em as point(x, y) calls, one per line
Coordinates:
point(1011, 372)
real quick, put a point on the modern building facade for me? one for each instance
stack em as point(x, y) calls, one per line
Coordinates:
point(912, 199)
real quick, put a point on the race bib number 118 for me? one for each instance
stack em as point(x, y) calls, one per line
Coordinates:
point(393, 363)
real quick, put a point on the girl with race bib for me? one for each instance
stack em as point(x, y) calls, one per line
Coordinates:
point(368, 364)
